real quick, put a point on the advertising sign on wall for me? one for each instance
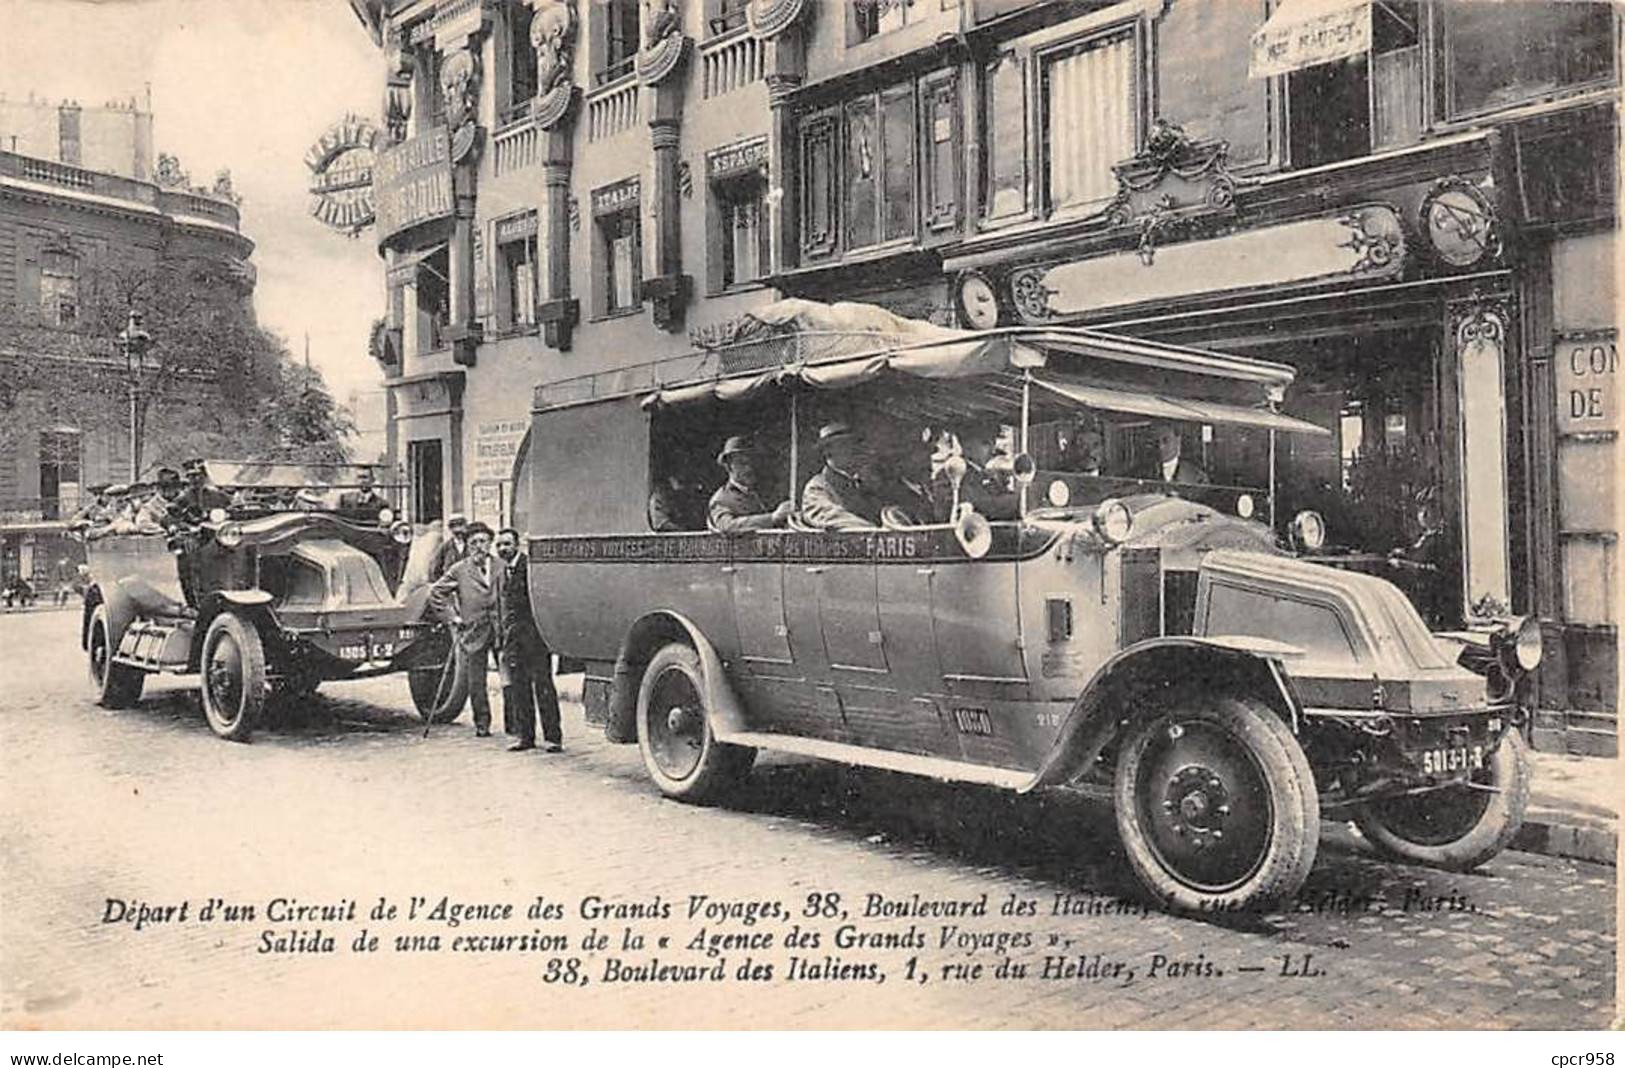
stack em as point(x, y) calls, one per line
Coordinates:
point(412, 182)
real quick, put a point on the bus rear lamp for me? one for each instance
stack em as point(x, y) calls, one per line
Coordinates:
point(1309, 530)
point(1058, 493)
point(229, 536)
point(401, 532)
point(1113, 521)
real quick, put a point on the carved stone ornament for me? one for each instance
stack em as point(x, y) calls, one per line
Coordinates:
point(169, 174)
point(1460, 223)
point(1375, 237)
point(663, 42)
point(553, 35)
point(460, 86)
point(769, 18)
point(1172, 181)
point(1030, 295)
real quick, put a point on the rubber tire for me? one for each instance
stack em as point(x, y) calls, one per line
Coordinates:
point(1494, 831)
point(1295, 834)
point(255, 687)
point(119, 685)
point(424, 682)
point(721, 767)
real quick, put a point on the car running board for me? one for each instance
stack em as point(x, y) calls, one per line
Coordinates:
point(909, 763)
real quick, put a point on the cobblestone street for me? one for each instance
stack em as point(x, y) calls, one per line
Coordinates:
point(351, 802)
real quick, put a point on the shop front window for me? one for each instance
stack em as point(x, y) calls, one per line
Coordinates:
point(1499, 55)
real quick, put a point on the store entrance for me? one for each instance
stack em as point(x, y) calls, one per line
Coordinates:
point(1379, 479)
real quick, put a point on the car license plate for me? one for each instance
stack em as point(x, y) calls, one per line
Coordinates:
point(1455, 758)
point(375, 651)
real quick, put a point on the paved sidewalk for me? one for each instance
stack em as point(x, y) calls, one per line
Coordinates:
point(1573, 807)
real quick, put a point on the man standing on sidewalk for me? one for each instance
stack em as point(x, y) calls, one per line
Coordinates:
point(465, 597)
point(527, 662)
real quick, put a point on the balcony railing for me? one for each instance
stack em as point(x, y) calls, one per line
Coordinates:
point(516, 146)
point(612, 109)
point(729, 62)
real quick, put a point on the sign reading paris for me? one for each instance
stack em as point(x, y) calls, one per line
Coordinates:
point(341, 166)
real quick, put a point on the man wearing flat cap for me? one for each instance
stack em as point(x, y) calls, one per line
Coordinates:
point(839, 496)
point(736, 505)
point(201, 496)
point(453, 549)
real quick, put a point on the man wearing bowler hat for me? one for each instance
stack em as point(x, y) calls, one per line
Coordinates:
point(736, 505)
point(841, 495)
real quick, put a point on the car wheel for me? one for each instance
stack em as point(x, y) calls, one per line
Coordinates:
point(1216, 805)
point(1459, 827)
point(117, 685)
point(440, 690)
point(679, 751)
point(234, 678)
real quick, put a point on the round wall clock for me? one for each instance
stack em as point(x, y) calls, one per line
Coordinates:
point(978, 303)
point(1460, 224)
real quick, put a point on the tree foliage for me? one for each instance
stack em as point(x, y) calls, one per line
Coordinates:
point(212, 383)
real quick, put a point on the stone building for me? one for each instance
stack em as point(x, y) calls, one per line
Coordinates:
point(81, 197)
point(1410, 201)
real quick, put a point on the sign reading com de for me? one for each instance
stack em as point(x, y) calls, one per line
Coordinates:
point(412, 182)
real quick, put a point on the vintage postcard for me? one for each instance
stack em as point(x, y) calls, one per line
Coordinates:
point(808, 514)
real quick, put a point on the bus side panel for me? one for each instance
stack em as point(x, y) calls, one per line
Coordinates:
point(589, 469)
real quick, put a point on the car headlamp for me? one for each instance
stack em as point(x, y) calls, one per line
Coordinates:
point(401, 532)
point(1309, 530)
point(1244, 506)
point(1518, 645)
point(1113, 521)
point(217, 515)
point(386, 516)
point(1058, 493)
point(229, 536)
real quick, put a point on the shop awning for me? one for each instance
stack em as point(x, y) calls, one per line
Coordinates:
point(1306, 33)
point(406, 265)
point(1182, 409)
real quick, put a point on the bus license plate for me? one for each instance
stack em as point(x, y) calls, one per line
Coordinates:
point(1452, 759)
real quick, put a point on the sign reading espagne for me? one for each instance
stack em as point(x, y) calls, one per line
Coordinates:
point(341, 168)
point(412, 182)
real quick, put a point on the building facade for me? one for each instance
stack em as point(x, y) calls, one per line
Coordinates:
point(79, 201)
point(1412, 202)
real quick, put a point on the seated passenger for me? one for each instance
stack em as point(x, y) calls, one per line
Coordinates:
point(674, 505)
point(1084, 451)
point(201, 496)
point(161, 510)
point(736, 505)
point(990, 492)
point(905, 470)
point(1169, 465)
point(843, 494)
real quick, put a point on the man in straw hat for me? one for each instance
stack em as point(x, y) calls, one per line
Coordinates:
point(736, 505)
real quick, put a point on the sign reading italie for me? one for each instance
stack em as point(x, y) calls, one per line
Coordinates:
point(412, 182)
point(341, 168)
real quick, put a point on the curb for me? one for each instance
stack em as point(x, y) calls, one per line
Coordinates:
point(1555, 837)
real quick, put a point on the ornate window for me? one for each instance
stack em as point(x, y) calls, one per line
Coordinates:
point(740, 251)
point(517, 268)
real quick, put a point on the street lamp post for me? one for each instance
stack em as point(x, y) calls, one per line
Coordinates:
point(133, 342)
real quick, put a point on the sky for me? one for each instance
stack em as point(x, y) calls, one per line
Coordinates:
point(247, 85)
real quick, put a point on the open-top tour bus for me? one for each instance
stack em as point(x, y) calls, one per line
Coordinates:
point(291, 585)
point(1154, 637)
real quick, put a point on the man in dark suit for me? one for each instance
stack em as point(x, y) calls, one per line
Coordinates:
point(843, 494)
point(465, 597)
point(528, 692)
point(1169, 465)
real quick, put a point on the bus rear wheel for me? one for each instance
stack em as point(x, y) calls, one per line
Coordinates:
point(680, 752)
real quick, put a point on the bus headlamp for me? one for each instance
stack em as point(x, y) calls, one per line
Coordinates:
point(1113, 521)
point(1309, 530)
point(1244, 506)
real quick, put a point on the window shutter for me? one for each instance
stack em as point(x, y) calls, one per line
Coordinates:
point(1092, 88)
